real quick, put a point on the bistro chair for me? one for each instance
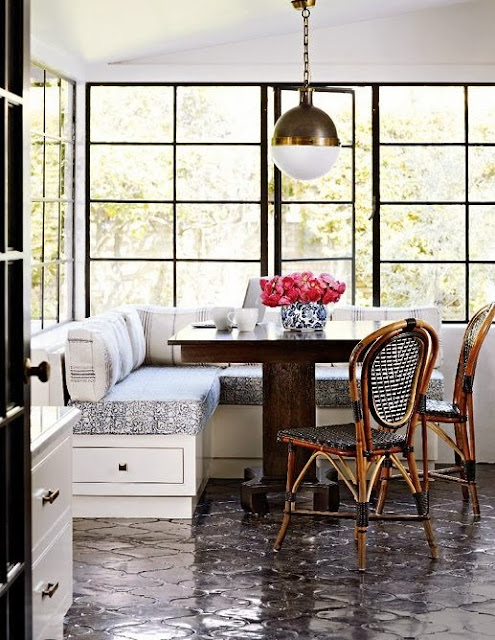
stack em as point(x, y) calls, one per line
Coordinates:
point(459, 412)
point(389, 389)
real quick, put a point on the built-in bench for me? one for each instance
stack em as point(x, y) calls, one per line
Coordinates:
point(152, 430)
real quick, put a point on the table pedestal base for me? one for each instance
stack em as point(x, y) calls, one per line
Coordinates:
point(326, 495)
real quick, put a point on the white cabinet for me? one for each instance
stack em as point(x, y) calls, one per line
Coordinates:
point(51, 455)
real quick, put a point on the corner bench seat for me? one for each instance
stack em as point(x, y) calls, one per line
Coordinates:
point(153, 430)
point(154, 400)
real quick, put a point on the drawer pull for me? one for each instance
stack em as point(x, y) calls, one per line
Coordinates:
point(51, 496)
point(50, 590)
point(122, 466)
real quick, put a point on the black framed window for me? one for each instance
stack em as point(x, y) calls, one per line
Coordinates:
point(437, 203)
point(184, 204)
point(52, 197)
point(176, 193)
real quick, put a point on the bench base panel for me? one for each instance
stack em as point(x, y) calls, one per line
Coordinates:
point(165, 507)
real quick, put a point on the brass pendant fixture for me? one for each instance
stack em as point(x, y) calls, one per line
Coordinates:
point(305, 144)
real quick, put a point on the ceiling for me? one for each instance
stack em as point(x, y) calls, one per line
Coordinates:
point(109, 31)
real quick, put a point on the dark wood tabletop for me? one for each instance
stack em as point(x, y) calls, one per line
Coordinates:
point(270, 343)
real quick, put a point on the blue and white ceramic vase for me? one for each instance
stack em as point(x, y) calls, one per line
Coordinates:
point(304, 316)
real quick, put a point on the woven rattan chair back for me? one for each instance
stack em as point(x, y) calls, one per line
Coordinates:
point(474, 336)
point(396, 367)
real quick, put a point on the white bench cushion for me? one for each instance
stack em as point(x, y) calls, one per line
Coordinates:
point(154, 400)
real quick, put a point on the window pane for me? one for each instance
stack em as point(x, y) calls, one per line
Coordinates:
point(422, 114)
point(116, 283)
point(50, 295)
point(124, 114)
point(481, 285)
point(482, 232)
point(218, 114)
point(66, 171)
point(36, 182)
point(420, 284)
point(218, 173)
point(213, 283)
point(415, 232)
point(335, 185)
point(481, 114)
point(36, 277)
point(52, 106)
point(482, 173)
point(227, 231)
point(66, 109)
point(131, 173)
point(422, 173)
point(36, 231)
point(319, 231)
point(131, 230)
point(340, 269)
point(52, 169)
point(36, 99)
point(51, 231)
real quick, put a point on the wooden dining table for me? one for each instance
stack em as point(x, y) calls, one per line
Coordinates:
point(288, 359)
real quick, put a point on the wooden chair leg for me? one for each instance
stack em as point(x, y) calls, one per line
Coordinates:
point(289, 498)
point(422, 504)
point(384, 483)
point(361, 530)
point(473, 491)
point(461, 441)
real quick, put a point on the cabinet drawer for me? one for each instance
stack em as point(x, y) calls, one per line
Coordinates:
point(121, 464)
point(52, 582)
point(51, 489)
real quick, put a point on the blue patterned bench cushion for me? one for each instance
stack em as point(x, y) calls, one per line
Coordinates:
point(154, 400)
point(242, 384)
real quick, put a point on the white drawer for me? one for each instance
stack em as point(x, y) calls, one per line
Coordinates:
point(100, 464)
point(51, 489)
point(52, 582)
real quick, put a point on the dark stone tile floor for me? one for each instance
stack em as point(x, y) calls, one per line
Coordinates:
point(217, 577)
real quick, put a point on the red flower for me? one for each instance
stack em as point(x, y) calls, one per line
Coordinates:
point(300, 287)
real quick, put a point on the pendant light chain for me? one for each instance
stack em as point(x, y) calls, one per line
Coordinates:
point(305, 15)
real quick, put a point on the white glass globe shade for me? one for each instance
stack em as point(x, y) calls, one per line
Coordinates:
point(304, 162)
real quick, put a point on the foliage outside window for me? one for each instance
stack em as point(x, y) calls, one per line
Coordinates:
point(175, 196)
point(176, 200)
point(52, 197)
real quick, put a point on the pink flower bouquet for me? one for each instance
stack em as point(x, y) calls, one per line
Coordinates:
point(300, 287)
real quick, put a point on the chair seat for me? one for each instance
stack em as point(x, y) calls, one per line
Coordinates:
point(342, 437)
point(441, 409)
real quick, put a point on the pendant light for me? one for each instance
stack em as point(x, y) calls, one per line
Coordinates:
point(305, 144)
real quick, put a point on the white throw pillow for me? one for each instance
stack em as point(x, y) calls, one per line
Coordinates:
point(92, 361)
point(160, 323)
point(118, 325)
point(136, 334)
point(431, 314)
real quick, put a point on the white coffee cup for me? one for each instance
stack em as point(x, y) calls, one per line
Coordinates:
point(220, 317)
point(244, 318)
